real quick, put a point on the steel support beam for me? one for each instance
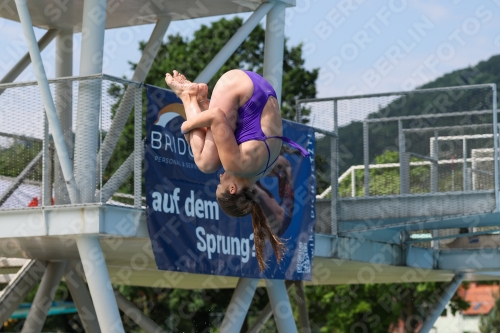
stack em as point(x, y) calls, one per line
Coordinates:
point(469, 234)
point(116, 180)
point(81, 297)
point(334, 172)
point(99, 283)
point(353, 182)
point(441, 302)
point(495, 145)
point(474, 178)
point(366, 158)
point(89, 98)
point(138, 147)
point(86, 144)
point(233, 43)
point(21, 65)
point(48, 173)
point(274, 47)
point(17, 290)
point(402, 159)
point(44, 297)
point(137, 315)
point(265, 314)
point(262, 319)
point(127, 101)
point(48, 102)
point(435, 165)
point(47, 165)
point(19, 179)
point(20, 137)
point(464, 166)
point(280, 303)
point(238, 306)
point(305, 327)
point(64, 107)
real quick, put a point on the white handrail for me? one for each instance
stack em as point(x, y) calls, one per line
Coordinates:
point(396, 165)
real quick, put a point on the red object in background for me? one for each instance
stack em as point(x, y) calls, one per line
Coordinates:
point(34, 202)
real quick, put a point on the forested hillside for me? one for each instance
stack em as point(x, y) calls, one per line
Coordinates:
point(351, 135)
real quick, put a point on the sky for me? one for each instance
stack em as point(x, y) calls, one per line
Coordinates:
point(359, 46)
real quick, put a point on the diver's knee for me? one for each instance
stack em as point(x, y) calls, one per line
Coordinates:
point(207, 166)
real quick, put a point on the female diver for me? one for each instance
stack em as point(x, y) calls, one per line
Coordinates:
point(240, 128)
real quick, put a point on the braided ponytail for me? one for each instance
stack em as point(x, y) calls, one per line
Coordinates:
point(244, 203)
point(261, 231)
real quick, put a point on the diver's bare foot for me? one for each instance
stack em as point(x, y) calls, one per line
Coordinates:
point(180, 85)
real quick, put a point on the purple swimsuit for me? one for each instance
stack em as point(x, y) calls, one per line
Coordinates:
point(248, 124)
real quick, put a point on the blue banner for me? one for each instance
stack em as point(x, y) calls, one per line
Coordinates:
point(188, 230)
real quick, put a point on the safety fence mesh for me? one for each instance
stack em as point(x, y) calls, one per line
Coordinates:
point(21, 138)
point(426, 143)
point(97, 118)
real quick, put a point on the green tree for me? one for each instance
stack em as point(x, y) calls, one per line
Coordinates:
point(491, 322)
point(374, 308)
point(17, 155)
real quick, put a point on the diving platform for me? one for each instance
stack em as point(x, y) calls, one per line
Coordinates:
point(48, 234)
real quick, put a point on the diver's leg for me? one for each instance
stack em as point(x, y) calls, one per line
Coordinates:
point(201, 140)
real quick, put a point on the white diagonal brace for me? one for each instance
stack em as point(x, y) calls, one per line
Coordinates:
point(238, 306)
point(123, 111)
point(19, 179)
point(265, 314)
point(440, 305)
point(114, 183)
point(101, 291)
point(17, 290)
point(44, 297)
point(280, 303)
point(136, 315)
point(234, 42)
point(81, 297)
point(21, 65)
point(48, 102)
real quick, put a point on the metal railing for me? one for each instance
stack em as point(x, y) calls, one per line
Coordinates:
point(421, 122)
point(27, 154)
